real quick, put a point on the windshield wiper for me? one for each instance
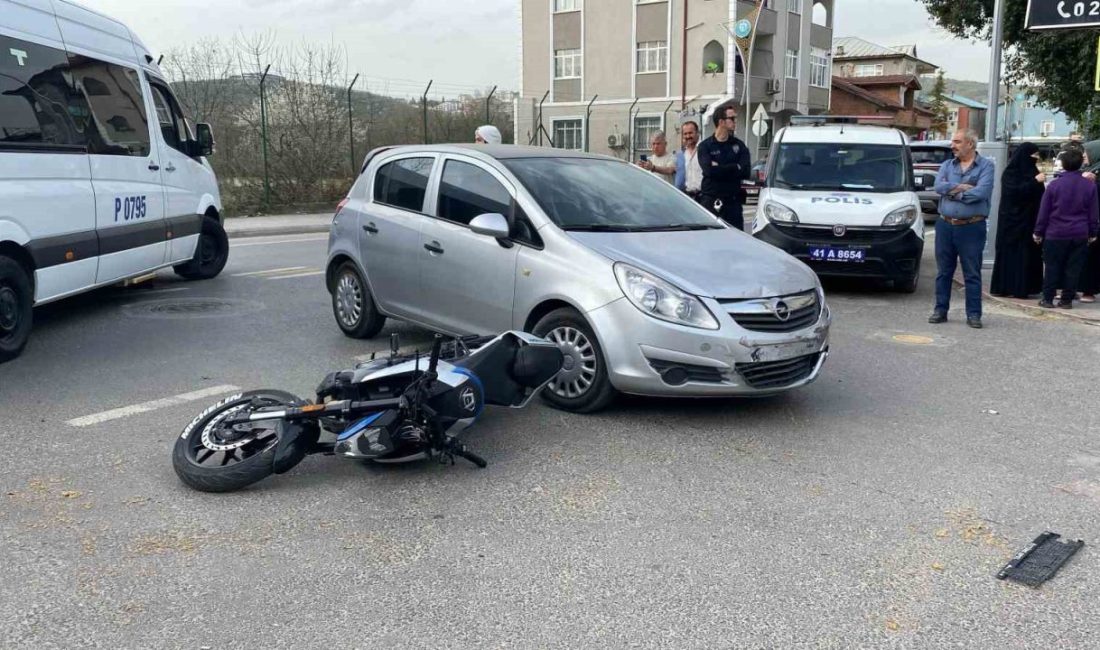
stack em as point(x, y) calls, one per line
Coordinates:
point(598, 227)
point(678, 226)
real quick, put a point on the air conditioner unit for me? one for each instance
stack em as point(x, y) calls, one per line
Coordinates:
point(773, 87)
point(616, 140)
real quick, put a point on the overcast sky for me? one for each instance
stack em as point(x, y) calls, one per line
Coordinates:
point(467, 44)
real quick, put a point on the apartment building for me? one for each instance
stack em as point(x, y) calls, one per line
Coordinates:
point(856, 57)
point(604, 75)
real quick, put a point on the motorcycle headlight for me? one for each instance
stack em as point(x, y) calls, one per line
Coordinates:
point(902, 217)
point(659, 299)
point(778, 212)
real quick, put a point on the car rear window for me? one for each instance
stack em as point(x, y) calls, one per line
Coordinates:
point(931, 155)
point(403, 183)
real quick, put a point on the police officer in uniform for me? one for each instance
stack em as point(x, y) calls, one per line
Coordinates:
point(725, 162)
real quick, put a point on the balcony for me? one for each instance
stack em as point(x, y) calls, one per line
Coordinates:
point(767, 23)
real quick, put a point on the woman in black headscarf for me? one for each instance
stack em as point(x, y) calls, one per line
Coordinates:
point(1018, 268)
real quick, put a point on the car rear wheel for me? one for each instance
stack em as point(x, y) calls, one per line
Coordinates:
point(16, 308)
point(583, 385)
point(353, 306)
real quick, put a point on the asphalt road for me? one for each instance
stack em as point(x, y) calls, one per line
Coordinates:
point(870, 509)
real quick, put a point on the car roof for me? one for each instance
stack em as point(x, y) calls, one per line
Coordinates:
point(842, 133)
point(496, 151)
point(931, 144)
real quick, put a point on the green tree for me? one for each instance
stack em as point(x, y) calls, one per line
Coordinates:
point(940, 114)
point(1060, 66)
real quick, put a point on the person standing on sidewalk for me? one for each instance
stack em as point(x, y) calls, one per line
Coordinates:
point(1018, 269)
point(725, 162)
point(1069, 220)
point(659, 162)
point(689, 175)
point(965, 186)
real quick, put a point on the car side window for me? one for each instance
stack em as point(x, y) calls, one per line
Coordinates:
point(467, 191)
point(403, 183)
point(170, 118)
point(39, 107)
point(117, 124)
point(523, 231)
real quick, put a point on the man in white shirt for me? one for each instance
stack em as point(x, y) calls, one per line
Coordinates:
point(659, 162)
point(689, 175)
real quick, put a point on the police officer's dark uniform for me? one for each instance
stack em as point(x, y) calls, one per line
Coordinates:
point(725, 165)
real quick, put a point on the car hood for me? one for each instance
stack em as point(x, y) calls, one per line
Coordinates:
point(826, 207)
point(723, 264)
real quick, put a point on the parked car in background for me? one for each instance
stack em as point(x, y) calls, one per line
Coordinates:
point(928, 155)
point(644, 290)
point(755, 181)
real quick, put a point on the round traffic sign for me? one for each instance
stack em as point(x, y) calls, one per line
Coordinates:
point(743, 28)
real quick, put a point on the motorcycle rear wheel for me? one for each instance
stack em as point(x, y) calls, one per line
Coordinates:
point(212, 458)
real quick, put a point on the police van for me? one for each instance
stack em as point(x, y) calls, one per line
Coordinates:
point(840, 197)
point(102, 176)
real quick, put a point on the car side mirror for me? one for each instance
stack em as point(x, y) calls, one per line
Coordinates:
point(491, 225)
point(205, 137)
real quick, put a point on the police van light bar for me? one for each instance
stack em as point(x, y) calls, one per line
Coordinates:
point(818, 120)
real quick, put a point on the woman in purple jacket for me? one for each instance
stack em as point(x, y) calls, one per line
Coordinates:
point(1069, 220)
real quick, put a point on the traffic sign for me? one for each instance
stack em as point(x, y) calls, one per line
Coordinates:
point(759, 121)
point(1062, 14)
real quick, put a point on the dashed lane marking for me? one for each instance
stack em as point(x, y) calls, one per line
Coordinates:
point(267, 271)
point(135, 409)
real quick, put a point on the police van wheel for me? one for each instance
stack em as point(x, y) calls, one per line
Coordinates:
point(353, 306)
point(908, 285)
point(211, 254)
point(16, 308)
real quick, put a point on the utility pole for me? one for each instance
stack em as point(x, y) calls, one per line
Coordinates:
point(991, 148)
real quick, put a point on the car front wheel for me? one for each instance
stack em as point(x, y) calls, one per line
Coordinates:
point(583, 385)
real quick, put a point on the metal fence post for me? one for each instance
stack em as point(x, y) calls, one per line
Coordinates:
point(263, 135)
point(351, 126)
point(630, 130)
point(424, 107)
point(540, 129)
point(488, 103)
point(587, 121)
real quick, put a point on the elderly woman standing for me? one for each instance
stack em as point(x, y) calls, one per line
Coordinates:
point(1018, 269)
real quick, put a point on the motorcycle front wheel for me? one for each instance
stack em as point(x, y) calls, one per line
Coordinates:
point(210, 456)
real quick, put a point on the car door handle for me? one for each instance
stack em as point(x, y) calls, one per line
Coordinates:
point(371, 228)
point(434, 248)
point(170, 168)
point(153, 167)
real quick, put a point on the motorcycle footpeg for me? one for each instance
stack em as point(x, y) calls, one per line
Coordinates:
point(471, 456)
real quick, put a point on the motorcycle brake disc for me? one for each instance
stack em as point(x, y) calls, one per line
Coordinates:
point(217, 443)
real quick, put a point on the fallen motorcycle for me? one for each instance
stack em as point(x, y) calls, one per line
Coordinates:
point(392, 410)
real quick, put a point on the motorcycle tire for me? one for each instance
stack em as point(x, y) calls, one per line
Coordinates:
point(197, 464)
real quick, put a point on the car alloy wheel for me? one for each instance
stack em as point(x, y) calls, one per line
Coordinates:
point(578, 366)
point(349, 300)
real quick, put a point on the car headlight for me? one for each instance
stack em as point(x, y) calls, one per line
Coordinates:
point(902, 217)
point(778, 212)
point(659, 299)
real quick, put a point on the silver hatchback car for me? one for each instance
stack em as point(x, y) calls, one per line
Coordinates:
point(644, 290)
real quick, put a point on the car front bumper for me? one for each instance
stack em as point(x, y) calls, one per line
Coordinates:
point(889, 254)
point(647, 356)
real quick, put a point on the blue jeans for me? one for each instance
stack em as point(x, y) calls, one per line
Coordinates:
point(955, 244)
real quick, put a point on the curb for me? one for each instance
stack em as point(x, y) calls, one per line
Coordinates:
point(1053, 314)
point(278, 230)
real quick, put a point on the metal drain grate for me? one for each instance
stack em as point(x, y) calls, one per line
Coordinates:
point(1040, 560)
point(186, 308)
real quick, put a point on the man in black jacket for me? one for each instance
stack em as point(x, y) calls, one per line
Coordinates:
point(726, 162)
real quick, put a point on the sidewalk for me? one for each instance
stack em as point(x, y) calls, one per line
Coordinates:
point(1081, 312)
point(284, 224)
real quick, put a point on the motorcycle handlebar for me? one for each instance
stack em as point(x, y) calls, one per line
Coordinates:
point(437, 346)
point(472, 457)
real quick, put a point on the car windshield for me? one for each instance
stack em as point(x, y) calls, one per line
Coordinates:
point(607, 196)
point(823, 166)
point(931, 155)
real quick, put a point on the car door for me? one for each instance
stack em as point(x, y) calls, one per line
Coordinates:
point(125, 168)
point(181, 175)
point(467, 279)
point(390, 219)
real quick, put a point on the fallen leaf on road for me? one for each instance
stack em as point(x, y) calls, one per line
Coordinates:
point(70, 494)
point(892, 625)
point(937, 566)
point(942, 533)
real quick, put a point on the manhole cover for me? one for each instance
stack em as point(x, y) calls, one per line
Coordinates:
point(913, 339)
point(184, 308)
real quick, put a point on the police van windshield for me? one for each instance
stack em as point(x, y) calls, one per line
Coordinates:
point(822, 166)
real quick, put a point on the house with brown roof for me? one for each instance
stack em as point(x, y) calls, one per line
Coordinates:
point(892, 99)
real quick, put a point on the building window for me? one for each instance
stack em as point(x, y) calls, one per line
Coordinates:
point(653, 56)
point(1046, 128)
point(794, 6)
point(644, 128)
point(819, 68)
point(953, 117)
point(566, 5)
point(714, 58)
point(567, 64)
point(869, 70)
point(569, 134)
point(792, 64)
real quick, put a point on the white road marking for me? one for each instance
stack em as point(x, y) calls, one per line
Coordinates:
point(295, 275)
point(135, 409)
point(140, 293)
point(278, 241)
point(266, 271)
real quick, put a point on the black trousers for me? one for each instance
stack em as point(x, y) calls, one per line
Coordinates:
point(1063, 259)
point(726, 208)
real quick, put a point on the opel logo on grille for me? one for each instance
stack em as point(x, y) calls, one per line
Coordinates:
point(840, 230)
point(781, 310)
